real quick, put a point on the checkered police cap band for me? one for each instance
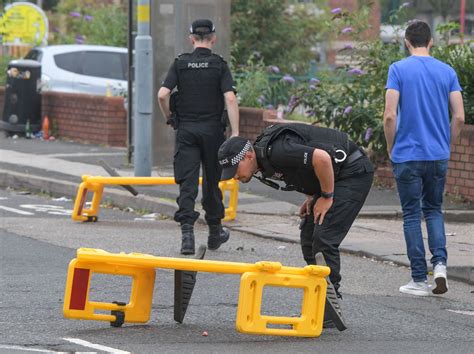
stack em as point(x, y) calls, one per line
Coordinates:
point(225, 163)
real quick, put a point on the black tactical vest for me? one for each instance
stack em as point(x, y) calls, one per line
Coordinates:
point(334, 142)
point(199, 92)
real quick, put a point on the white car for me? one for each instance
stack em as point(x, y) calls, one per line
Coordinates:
point(91, 69)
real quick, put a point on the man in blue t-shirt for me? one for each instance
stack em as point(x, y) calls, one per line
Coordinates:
point(421, 91)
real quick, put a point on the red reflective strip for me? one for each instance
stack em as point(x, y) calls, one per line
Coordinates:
point(80, 284)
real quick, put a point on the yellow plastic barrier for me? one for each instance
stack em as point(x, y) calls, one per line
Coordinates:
point(141, 267)
point(96, 184)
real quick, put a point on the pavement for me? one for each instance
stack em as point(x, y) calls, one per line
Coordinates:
point(55, 167)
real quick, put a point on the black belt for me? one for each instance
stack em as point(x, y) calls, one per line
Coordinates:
point(353, 157)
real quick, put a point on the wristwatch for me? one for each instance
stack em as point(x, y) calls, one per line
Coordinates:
point(326, 195)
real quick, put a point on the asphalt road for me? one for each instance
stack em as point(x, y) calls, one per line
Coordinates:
point(37, 247)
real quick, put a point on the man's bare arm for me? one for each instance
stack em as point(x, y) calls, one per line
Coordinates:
point(390, 118)
point(457, 114)
point(164, 95)
point(232, 111)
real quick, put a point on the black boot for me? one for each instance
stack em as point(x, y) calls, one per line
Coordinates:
point(217, 236)
point(187, 245)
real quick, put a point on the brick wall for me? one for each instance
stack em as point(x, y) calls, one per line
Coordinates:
point(460, 179)
point(87, 118)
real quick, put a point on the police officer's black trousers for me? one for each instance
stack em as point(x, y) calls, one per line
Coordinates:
point(196, 143)
point(349, 197)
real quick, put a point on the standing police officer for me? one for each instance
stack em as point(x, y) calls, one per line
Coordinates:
point(204, 87)
point(333, 172)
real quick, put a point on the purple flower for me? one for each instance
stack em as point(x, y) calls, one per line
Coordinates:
point(270, 106)
point(348, 47)
point(314, 81)
point(368, 134)
point(312, 87)
point(347, 110)
point(336, 10)
point(88, 18)
point(79, 39)
point(355, 72)
point(346, 30)
point(291, 102)
point(74, 14)
point(55, 30)
point(311, 113)
point(289, 79)
point(261, 99)
point(274, 69)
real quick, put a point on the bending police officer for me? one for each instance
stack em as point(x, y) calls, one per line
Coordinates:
point(204, 87)
point(332, 171)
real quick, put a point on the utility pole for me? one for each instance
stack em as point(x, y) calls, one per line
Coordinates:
point(144, 86)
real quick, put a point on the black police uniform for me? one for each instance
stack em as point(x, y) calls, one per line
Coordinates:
point(202, 78)
point(289, 154)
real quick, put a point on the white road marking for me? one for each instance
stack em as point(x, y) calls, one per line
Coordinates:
point(50, 209)
point(16, 347)
point(469, 313)
point(95, 346)
point(17, 211)
point(3, 198)
point(80, 154)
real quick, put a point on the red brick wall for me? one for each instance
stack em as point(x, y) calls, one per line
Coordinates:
point(461, 166)
point(88, 118)
point(460, 179)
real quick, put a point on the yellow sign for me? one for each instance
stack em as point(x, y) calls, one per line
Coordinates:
point(24, 23)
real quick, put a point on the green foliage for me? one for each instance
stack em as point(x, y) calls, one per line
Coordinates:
point(283, 34)
point(259, 85)
point(461, 58)
point(4, 60)
point(90, 23)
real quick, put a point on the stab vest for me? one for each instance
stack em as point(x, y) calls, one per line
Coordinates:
point(199, 92)
point(334, 142)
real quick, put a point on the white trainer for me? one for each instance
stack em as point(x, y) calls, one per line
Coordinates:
point(420, 288)
point(440, 279)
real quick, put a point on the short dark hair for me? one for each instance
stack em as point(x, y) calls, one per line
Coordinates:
point(418, 34)
point(203, 37)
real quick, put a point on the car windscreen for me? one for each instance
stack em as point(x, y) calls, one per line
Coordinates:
point(34, 54)
point(108, 65)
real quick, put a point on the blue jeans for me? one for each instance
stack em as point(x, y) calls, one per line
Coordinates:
point(420, 187)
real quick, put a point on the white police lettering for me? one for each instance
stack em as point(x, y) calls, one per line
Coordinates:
point(198, 65)
point(305, 158)
point(224, 161)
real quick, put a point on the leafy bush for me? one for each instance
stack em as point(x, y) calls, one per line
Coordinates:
point(461, 58)
point(89, 23)
point(4, 60)
point(259, 85)
point(283, 34)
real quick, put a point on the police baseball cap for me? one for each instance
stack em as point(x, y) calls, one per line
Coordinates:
point(202, 27)
point(231, 152)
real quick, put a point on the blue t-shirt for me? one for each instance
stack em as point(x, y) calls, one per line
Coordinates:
point(423, 130)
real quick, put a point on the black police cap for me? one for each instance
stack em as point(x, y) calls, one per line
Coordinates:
point(202, 27)
point(231, 152)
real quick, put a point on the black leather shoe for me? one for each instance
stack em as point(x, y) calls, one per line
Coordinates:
point(187, 240)
point(217, 236)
